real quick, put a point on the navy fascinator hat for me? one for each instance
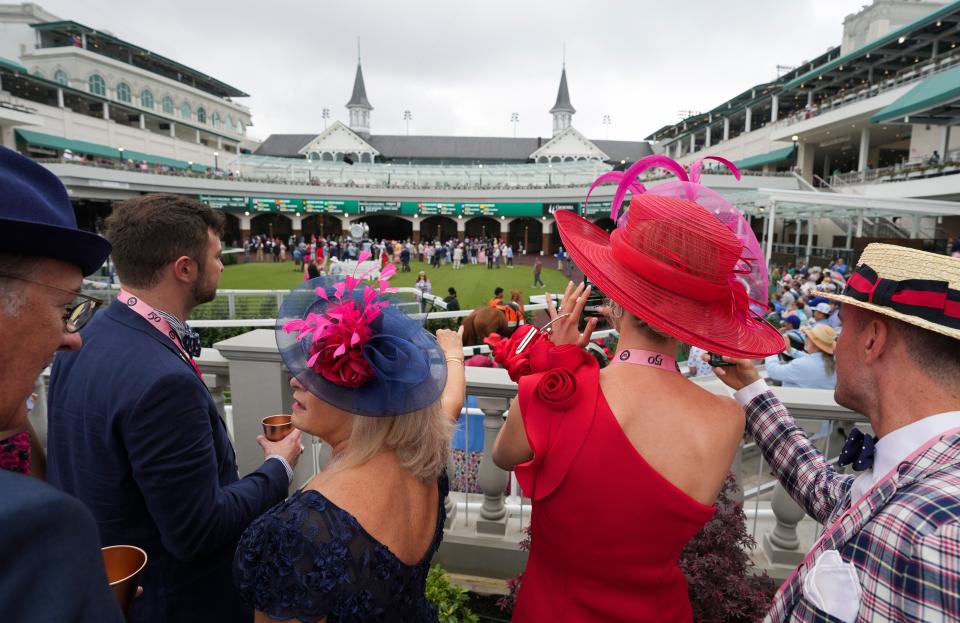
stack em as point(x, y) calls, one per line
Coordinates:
point(350, 344)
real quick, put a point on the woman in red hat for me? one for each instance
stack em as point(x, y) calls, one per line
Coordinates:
point(624, 464)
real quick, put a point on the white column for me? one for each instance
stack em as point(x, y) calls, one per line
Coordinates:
point(726, 129)
point(859, 223)
point(809, 241)
point(945, 143)
point(749, 120)
point(849, 235)
point(173, 130)
point(809, 99)
point(59, 98)
point(864, 149)
point(198, 137)
point(915, 226)
point(774, 108)
point(693, 142)
point(106, 110)
point(143, 122)
point(771, 216)
point(796, 241)
point(709, 141)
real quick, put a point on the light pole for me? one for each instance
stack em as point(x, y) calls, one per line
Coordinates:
point(606, 123)
point(189, 166)
point(122, 161)
point(796, 151)
point(481, 176)
point(407, 117)
point(325, 114)
point(216, 161)
point(515, 120)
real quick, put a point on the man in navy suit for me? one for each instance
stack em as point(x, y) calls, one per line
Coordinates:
point(52, 566)
point(135, 434)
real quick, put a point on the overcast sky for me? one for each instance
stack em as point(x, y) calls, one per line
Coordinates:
point(462, 68)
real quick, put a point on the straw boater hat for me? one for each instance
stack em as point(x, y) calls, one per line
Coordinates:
point(917, 287)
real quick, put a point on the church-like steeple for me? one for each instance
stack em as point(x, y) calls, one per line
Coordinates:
point(359, 106)
point(562, 110)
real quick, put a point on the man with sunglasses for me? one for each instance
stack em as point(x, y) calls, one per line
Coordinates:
point(49, 542)
point(134, 432)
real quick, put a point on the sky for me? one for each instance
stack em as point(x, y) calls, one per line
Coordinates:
point(462, 68)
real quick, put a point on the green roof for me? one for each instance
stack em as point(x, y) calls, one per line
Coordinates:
point(60, 143)
point(777, 155)
point(938, 89)
point(12, 65)
point(873, 45)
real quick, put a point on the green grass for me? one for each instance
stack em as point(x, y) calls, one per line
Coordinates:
point(474, 284)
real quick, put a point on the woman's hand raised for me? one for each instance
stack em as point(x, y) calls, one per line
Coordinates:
point(565, 329)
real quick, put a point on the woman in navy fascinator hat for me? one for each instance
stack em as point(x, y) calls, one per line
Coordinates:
point(355, 543)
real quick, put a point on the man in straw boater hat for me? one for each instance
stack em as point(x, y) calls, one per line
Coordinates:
point(891, 547)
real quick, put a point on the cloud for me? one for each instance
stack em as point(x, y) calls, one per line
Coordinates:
point(463, 68)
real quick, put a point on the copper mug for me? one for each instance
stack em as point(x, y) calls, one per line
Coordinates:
point(124, 564)
point(276, 427)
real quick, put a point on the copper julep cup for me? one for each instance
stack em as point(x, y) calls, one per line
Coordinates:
point(276, 427)
point(124, 564)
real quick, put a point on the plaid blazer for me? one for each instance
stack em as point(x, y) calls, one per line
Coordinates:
point(903, 537)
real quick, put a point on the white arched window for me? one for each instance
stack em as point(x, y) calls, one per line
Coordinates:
point(167, 105)
point(123, 92)
point(97, 85)
point(185, 111)
point(60, 77)
point(215, 119)
point(201, 115)
point(146, 98)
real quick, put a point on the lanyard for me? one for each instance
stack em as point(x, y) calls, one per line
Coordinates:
point(159, 323)
point(648, 358)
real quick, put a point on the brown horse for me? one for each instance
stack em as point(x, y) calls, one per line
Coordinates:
point(486, 320)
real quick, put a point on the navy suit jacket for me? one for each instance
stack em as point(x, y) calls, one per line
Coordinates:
point(135, 434)
point(52, 566)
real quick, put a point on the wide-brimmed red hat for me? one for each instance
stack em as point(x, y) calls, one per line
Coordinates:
point(673, 264)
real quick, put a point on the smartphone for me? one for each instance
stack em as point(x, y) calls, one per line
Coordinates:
point(716, 361)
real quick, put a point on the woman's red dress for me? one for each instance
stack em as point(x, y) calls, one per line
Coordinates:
point(607, 529)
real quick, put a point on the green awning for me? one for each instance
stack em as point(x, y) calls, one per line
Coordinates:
point(12, 65)
point(777, 155)
point(935, 90)
point(60, 143)
point(198, 168)
point(150, 159)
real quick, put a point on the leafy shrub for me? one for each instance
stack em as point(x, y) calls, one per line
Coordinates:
point(449, 599)
point(720, 575)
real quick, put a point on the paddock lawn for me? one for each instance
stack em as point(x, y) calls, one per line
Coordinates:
point(474, 284)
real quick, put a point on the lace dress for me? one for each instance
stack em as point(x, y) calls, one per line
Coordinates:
point(307, 559)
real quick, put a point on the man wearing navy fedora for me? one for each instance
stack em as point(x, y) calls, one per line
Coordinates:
point(890, 549)
point(49, 544)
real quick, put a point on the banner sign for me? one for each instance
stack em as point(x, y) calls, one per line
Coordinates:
point(596, 208)
point(432, 208)
point(550, 208)
point(381, 207)
point(220, 202)
point(275, 204)
point(331, 206)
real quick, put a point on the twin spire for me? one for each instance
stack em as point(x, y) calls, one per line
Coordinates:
point(359, 106)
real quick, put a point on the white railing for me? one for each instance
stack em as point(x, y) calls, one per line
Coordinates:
point(918, 169)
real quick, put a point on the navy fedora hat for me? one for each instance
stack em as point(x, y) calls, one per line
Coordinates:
point(37, 219)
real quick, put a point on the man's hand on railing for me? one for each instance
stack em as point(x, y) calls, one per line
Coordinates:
point(566, 329)
point(737, 376)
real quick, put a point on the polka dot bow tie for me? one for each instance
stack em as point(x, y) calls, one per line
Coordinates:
point(191, 341)
point(857, 450)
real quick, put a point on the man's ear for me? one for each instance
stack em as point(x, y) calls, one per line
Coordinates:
point(876, 339)
point(184, 268)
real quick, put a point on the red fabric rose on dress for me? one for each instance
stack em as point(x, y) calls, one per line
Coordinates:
point(546, 356)
point(505, 351)
point(558, 388)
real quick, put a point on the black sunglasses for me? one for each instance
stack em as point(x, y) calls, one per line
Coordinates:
point(78, 313)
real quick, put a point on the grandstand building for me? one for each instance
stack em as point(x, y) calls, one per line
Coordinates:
point(852, 146)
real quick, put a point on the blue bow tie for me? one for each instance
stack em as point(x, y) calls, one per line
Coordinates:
point(858, 449)
point(191, 341)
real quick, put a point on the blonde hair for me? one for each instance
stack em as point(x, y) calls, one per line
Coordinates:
point(421, 441)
